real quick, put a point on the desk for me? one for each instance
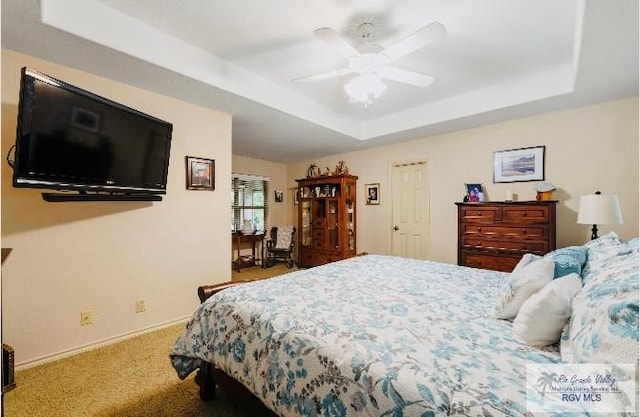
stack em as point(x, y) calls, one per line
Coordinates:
point(250, 260)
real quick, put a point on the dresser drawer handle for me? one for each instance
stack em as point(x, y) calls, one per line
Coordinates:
point(524, 231)
point(524, 214)
point(479, 214)
point(479, 229)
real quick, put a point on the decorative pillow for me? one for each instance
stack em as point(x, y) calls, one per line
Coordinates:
point(526, 259)
point(634, 244)
point(542, 317)
point(610, 239)
point(604, 321)
point(602, 253)
point(568, 260)
point(522, 283)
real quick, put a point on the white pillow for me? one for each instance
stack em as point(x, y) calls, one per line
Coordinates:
point(526, 259)
point(542, 317)
point(522, 283)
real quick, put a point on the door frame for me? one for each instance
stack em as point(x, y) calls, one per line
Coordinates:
point(427, 193)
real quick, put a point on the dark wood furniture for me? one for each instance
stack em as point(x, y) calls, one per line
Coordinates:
point(495, 235)
point(244, 261)
point(326, 219)
point(274, 253)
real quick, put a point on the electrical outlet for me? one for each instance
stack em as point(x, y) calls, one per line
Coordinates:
point(86, 318)
point(141, 306)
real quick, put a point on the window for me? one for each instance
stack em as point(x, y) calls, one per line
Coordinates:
point(249, 201)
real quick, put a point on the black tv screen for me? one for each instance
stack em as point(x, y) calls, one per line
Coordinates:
point(72, 139)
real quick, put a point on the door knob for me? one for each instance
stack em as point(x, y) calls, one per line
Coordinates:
point(396, 228)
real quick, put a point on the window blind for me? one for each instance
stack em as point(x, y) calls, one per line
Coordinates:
point(249, 201)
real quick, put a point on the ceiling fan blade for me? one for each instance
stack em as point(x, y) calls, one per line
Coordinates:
point(333, 39)
point(404, 76)
point(323, 75)
point(415, 41)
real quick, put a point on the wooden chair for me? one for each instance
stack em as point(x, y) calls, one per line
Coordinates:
point(280, 245)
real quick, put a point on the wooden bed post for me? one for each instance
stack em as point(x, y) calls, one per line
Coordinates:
point(204, 379)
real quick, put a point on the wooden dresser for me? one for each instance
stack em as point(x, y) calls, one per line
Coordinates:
point(495, 235)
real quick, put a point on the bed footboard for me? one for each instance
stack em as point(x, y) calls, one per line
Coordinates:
point(206, 291)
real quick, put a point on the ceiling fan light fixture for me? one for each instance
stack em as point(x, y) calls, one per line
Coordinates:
point(365, 87)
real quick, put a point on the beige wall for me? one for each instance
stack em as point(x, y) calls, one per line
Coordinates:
point(70, 257)
point(587, 149)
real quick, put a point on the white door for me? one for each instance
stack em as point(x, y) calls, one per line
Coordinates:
point(410, 209)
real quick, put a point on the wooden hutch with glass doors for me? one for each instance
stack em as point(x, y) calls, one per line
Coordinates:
point(326, 219)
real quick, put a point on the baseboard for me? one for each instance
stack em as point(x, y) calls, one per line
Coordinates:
point(95, 345)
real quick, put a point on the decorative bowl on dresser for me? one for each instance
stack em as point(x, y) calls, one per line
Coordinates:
point(495, 235)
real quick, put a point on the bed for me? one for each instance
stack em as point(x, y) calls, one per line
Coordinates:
point(387, 336)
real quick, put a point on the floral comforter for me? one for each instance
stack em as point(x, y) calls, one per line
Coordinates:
point(369, 336)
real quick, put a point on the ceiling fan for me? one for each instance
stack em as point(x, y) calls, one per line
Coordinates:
point(371, 61)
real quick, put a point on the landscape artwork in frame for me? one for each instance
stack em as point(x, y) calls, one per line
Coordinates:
point(474, 193)
point(372, 193)
point(200, 173)
point(518, 165)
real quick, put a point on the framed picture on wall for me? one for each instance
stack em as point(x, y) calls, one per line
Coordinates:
point(200, 173)
point(372, 193)
point(519, 165)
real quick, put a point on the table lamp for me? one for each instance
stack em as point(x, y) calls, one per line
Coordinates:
point(598, 209)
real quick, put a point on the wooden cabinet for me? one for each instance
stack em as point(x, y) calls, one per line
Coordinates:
point(326, 219)
point(496, 235)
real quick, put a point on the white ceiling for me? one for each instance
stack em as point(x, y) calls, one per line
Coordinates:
point(500, 59)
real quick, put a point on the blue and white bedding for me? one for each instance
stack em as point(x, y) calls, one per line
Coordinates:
point(369, 336)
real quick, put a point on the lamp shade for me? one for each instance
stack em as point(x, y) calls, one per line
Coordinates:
point(599, 209)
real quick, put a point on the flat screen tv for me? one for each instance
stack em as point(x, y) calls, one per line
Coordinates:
point(73, 140)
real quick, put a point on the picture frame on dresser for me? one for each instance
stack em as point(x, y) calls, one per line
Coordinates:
point(519, 165)
point(475, 193)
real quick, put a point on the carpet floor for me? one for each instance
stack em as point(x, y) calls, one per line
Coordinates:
point(133, 378)
point(257, 272)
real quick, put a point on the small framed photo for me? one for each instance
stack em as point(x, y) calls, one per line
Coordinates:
point(475, 194)
point(201, 173)
point(279, 196)
point(372, 193)
point(519, 165)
